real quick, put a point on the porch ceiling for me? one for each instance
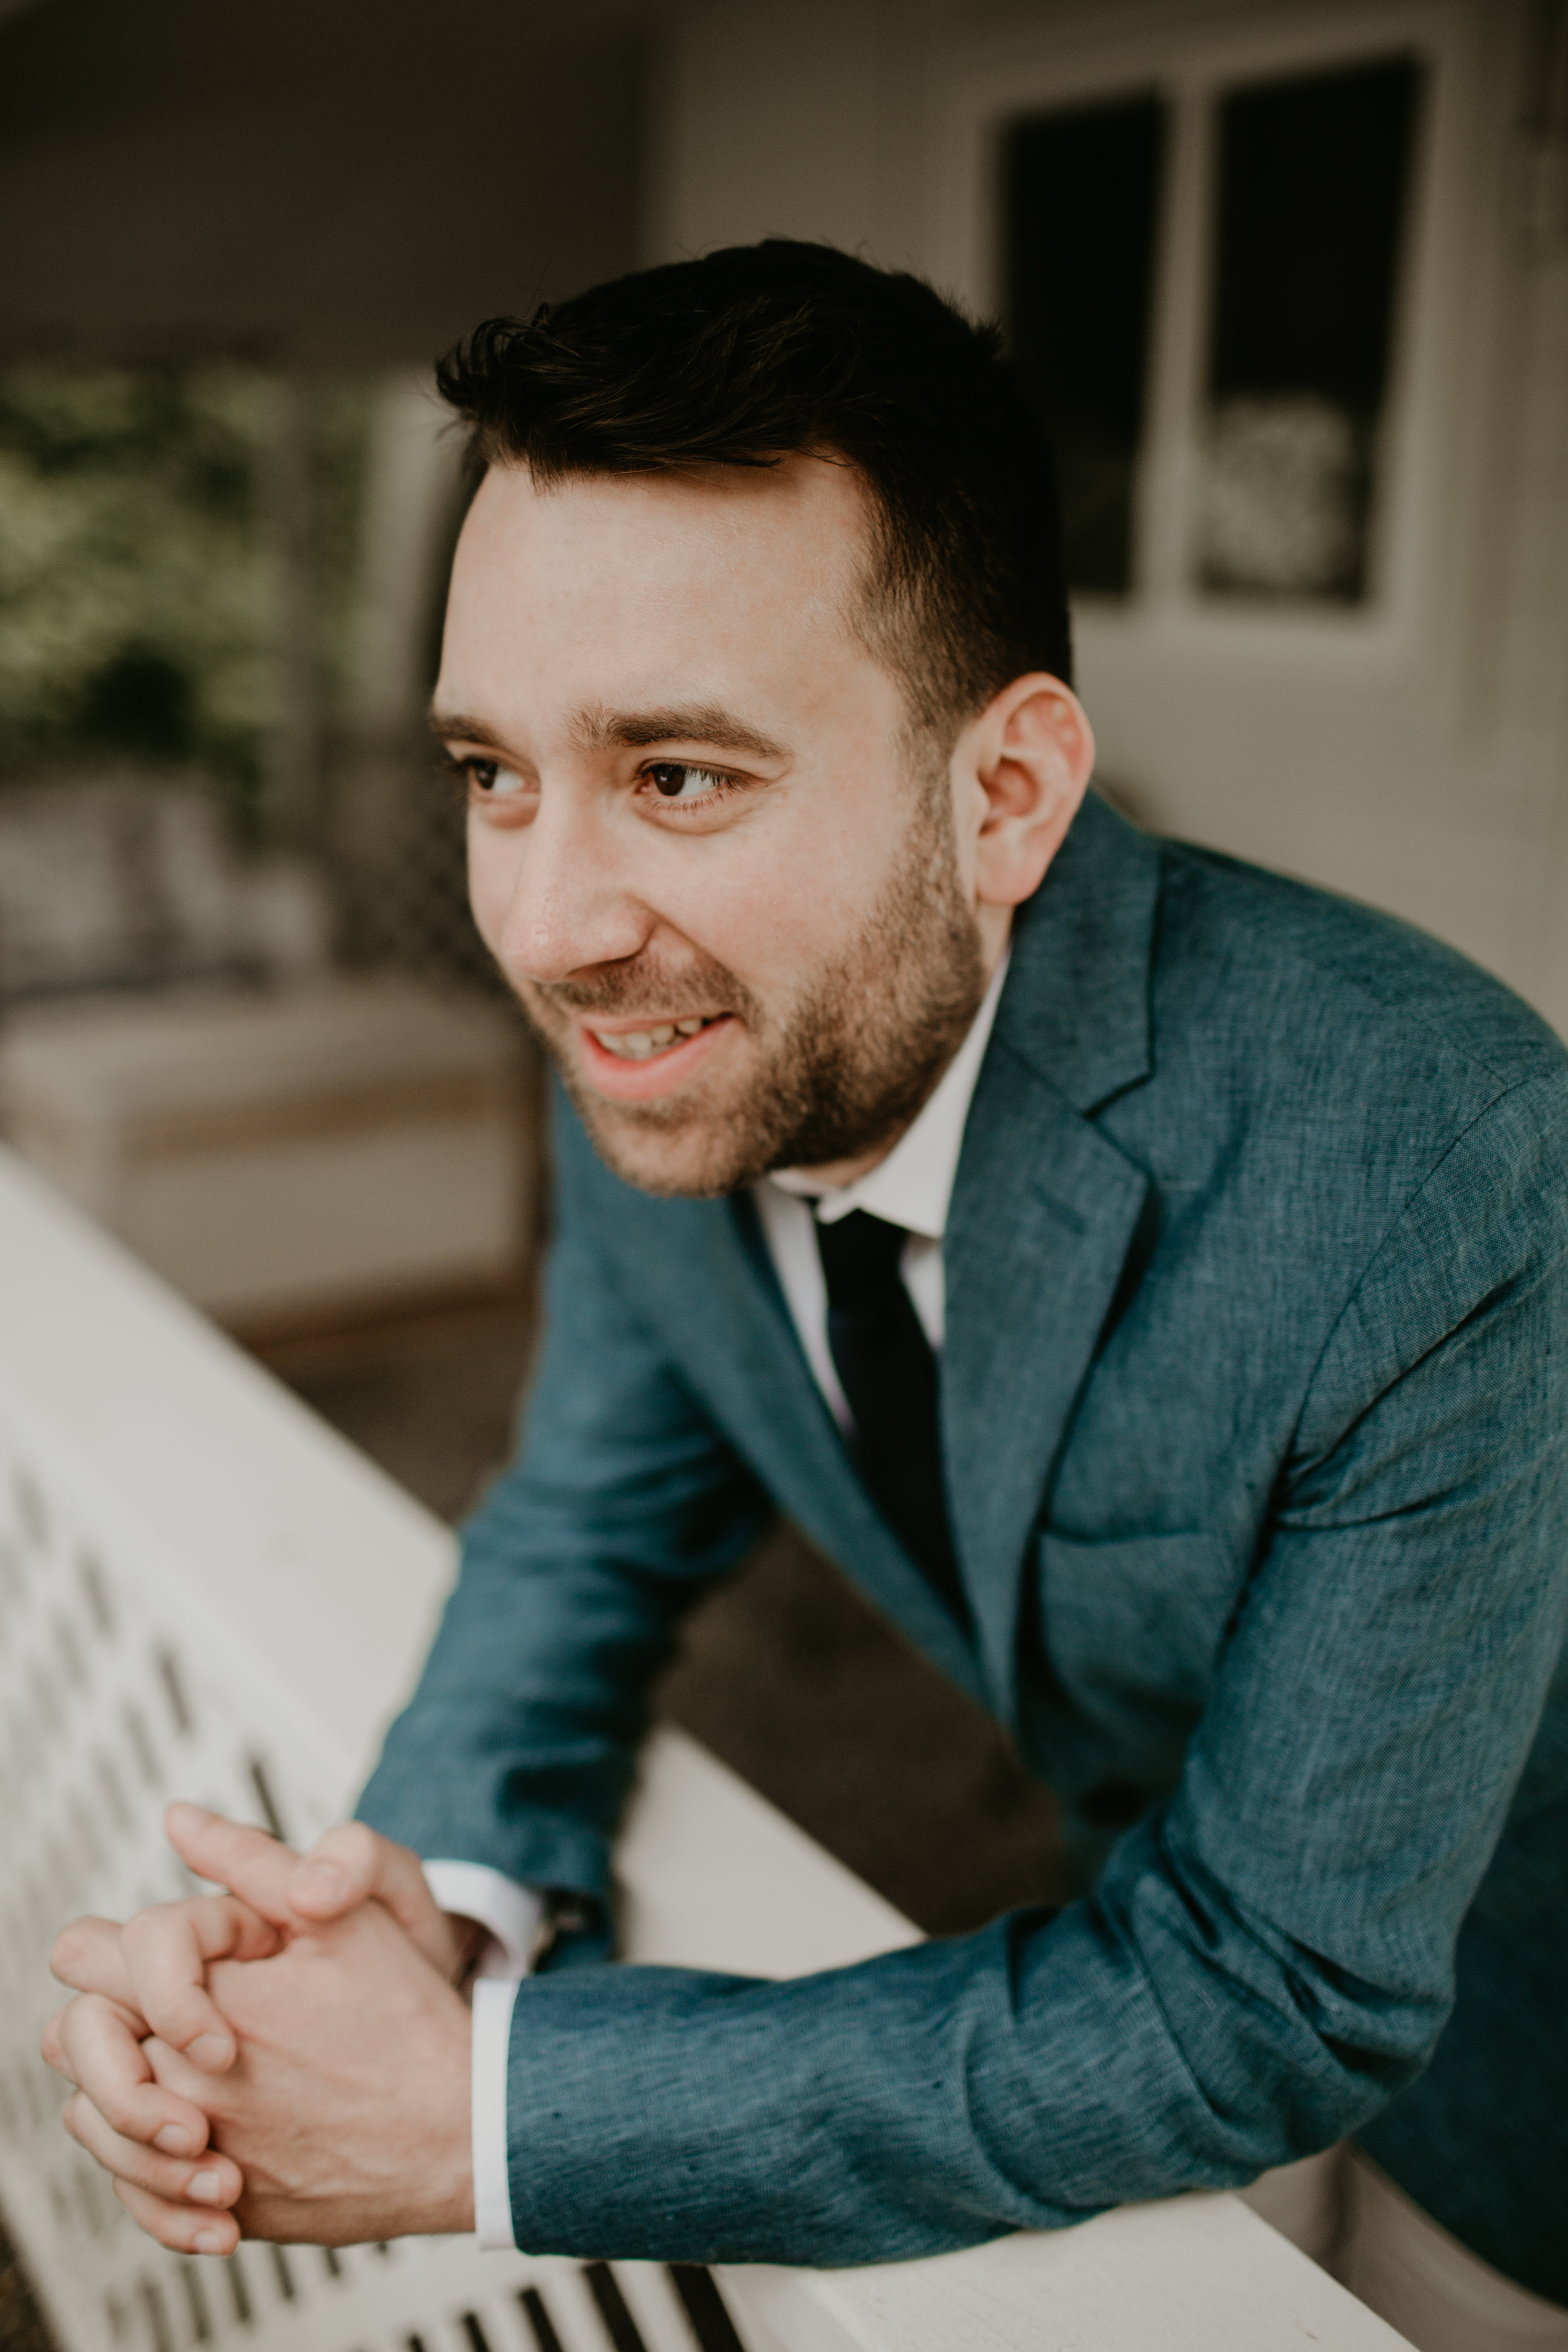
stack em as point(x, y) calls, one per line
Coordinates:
point(312, 182)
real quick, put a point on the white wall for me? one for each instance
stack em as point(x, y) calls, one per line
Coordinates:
point(1415, 755)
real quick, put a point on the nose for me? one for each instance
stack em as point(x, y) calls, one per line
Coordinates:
point(566, 900)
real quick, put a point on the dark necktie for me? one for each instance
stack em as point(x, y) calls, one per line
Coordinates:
point(888, 1375)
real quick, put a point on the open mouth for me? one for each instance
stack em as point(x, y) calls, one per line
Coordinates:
point(644, 1065)
point(642, 1045)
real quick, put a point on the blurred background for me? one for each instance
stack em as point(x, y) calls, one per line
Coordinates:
point(1289, 282)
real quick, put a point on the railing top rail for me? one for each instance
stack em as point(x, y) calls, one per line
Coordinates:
point(327, 1571)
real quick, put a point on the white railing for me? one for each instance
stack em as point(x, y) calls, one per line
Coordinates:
point(204, 1592)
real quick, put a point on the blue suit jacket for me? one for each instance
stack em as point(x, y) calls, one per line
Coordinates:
point(1252, 1409)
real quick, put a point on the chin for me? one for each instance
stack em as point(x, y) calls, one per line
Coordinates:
point(694, 1160)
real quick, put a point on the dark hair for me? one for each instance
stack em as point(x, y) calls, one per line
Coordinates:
point(762, 350)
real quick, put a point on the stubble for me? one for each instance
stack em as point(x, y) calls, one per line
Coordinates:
point(838, 1076)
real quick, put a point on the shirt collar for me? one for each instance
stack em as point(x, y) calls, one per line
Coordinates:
point(912, 1187)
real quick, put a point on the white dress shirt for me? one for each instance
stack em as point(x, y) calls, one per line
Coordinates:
point(911, 1187)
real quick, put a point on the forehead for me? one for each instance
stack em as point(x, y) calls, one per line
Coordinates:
point(685, 579)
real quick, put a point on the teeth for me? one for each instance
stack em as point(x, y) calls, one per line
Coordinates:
point(636, 1045)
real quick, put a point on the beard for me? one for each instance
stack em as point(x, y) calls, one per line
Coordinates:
point(837, 1077)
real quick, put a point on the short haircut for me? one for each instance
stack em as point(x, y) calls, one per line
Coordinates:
point(760, 351)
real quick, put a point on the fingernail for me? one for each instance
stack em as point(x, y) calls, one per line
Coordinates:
point(209, 2241)
point(209, 2050)
point(173, 2140)
point(205, 2189)
point(322, 1881)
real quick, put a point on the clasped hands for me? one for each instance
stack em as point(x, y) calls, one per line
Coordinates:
point(288, 2060)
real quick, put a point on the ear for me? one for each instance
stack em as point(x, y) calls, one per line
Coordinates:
point(1029, 757)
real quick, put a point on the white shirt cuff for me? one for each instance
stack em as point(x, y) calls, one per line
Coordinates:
point(492, 2037)
point(471, 1890)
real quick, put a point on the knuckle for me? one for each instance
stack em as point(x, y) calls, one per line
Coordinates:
point(139, 1941)
point(120, 2111)
point(81, 2020)
point(179, 2023)
point(97, 2022)
point(66, 1949)
point(216, 1922)
point(151, 1929)
point(350, 1845)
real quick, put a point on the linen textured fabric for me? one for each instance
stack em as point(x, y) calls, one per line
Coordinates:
point(1252, 1413)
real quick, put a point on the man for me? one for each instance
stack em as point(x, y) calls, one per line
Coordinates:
point(1147, 1276)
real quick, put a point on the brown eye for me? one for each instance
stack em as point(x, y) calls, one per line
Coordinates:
point(494, 782)
point(678, 780)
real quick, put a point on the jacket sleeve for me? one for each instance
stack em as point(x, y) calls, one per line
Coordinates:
point(1267, 1957)
point(518, 1747)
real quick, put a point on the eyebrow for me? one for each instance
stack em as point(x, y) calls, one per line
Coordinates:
point(701, 722)
point(456, 726)
point(597, 729)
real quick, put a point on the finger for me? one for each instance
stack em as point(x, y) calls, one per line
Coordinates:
point(165, 1952)
point(51, 2047)
point(174, 2071)
point(353, 1865)
point(212, 2180)
point(186, 2229)
point(102, 2056)
point(86, 1955)
point(246, 1861)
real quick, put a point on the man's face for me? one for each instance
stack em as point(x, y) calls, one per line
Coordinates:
point(703, 848)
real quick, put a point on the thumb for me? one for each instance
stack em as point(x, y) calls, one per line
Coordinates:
point(246, 1861)
point(353, 1864)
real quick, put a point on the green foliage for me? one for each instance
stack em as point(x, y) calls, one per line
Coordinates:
point(140, 588)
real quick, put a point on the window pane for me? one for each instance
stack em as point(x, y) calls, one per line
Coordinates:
point(1080, 208)
point(1313, 180)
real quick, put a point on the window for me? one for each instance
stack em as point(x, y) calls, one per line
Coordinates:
point(1311, 196)
point(1081, 211)
point(1291, 289)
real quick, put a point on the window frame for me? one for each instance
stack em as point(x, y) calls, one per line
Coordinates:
point(1443, 323)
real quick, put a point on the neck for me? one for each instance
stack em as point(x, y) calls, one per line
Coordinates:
point(833, 1175)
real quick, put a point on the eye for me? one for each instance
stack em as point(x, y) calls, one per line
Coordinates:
point(491, 780)
point(680, 779)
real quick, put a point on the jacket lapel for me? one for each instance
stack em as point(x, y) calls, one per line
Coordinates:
point(1044, 1207)
point(1043, 1213)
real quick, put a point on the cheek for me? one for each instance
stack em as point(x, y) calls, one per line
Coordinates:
point(492, 857)
point(780, 906)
